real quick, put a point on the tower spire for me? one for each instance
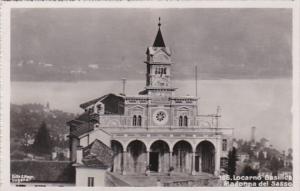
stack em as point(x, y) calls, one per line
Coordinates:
point(159, 41)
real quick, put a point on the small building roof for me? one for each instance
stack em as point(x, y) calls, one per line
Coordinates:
point(264, 169)
point(242, 153)
point(289, 157)
point(93, 101)
point(81, 129)
point(97, 154)
point(286, 169)
point(84, 117)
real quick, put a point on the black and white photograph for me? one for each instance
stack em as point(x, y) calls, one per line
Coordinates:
point(151, 97)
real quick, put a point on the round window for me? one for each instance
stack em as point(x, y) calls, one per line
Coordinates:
point(160, 117)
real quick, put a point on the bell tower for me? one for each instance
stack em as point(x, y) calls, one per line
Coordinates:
point(158, 75)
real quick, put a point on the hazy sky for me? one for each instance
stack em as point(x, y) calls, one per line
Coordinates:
point(93, 44)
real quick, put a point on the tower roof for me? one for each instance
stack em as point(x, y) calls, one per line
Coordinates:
point(159, 41)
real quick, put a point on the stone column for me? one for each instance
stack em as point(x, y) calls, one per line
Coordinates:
point(193, 163)
point(149, 114)
point(217, 158)
point(148, 158)
point(124, 162)
point(200, 164)
point(172, 115)
point(147, 170)
point(170, 159)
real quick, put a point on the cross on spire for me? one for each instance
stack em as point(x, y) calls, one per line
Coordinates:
point(159, 24)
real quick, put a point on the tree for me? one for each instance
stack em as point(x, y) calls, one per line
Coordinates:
point(248, 171)
point(42, 142)
point(274, 165)
point(261, 157)
point(231, 165)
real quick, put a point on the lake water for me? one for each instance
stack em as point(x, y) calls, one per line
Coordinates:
point(265, 104)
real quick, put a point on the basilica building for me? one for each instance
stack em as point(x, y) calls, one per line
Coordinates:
point(155, 130)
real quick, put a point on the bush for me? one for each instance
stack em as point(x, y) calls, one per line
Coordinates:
point(18, 155)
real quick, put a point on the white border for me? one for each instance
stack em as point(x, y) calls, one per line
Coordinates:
point(5, 76)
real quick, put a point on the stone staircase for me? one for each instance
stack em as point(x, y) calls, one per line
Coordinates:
point(165, 180)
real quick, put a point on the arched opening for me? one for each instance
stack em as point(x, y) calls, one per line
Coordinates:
point(117, 149)
point(205, 157)
point(137, 157)
point(159, 156)
point(139, 123)
point(185, 121)
point(182, 157)
point(180, 121)
point(134, 120)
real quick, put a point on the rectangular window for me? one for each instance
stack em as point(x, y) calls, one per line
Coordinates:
point(40, 185)
point(21, 185)
point(224, 162)
point(90, 181)
point(224, 144)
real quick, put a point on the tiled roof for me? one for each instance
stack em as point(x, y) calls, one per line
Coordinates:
point(93, 161)
point(82, 124)
point(286, 169)
point(264, 169)
point(97, 154)
point(82, 129)
point(74, 122)
point(44, 171)
point(91, 102)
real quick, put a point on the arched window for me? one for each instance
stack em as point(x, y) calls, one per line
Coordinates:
point(99, 108)
point(139, 123)
point(185, 121)
point(224, 145)
point(134, 120)
point(180, 121)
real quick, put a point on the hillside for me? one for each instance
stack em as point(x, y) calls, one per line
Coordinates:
point(26, 120)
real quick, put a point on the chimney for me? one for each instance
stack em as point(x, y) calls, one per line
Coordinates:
point(253, 134)
point(124, 86)
point(265, 154)
point(54, 155)
point(79, 154)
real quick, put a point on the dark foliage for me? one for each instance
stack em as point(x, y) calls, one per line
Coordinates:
point(52, 171)
point(18, 155)
point(61, 157)
point(231, 165)
point(248, 171)
point(42, 142)
point(274, 165)
point(26, 120)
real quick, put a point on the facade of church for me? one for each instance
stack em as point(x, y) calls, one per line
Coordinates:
point(156, 129)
